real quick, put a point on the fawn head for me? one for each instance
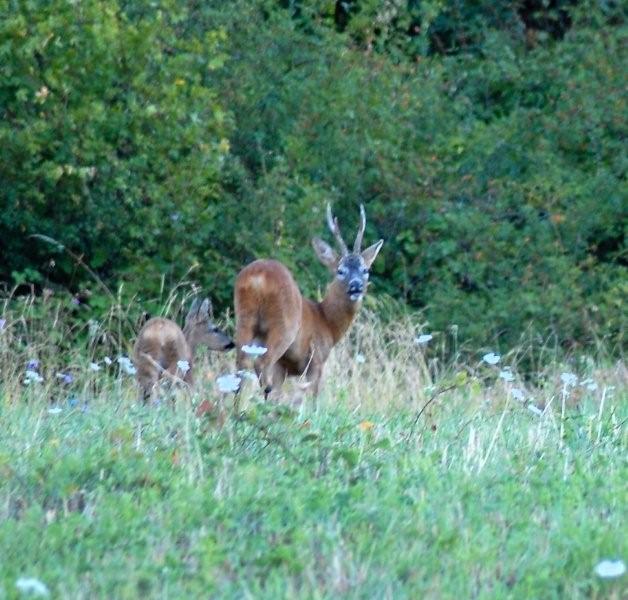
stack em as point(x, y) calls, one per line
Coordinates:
point(199, 328)
point(351, 269)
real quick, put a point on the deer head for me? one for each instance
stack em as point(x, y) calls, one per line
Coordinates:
point(199, 328)
point(351, 268)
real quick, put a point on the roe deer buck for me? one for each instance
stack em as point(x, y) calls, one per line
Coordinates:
point(162, 348)
point(299, 333)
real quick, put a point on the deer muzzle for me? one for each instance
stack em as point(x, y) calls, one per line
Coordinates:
point(356, 289)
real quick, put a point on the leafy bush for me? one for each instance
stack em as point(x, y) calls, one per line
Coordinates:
point(494, 168)
point(496, 180)
point(112, 139)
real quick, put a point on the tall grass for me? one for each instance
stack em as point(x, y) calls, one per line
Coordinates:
point(420, 471)
point(378, 366)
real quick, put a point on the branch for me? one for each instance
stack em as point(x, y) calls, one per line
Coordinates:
point(431, 399)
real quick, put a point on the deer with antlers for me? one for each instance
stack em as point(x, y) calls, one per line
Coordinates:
point(299, 333)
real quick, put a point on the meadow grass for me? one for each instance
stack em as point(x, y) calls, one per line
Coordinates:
point(412, 476)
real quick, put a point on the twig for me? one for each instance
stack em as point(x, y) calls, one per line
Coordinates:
point(269, 437)
point(77, 259)
point(431, 399)
point(81, 263)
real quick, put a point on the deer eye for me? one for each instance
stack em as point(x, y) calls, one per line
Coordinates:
point(365, 271)
point(342, 271)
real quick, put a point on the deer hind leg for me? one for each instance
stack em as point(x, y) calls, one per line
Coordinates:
point(148, 374)
point(270, 373)
point(147, 381)
point(276, 376)
point(174, 380)
point(245, 334)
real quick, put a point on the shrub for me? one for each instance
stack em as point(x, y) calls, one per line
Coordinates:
point(209, 134)
point(112, 137)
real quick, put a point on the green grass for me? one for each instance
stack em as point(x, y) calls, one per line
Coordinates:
point(349, 496)
point(126, 501)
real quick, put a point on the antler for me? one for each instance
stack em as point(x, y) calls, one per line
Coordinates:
point(357, 246)
point(332, 223)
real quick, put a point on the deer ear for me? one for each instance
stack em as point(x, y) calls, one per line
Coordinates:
point(206, 309)
point(196, 303)
point(370, 254)
point(325, 253)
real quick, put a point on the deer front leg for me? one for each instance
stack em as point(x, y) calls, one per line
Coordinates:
point(313, 376)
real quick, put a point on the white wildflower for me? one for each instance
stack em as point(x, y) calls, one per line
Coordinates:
point(360, 358)
point(126, 365)
point(610, 569)
point(589, 384)
point(32, 377)
point(107, 360)
point(243, 374)
point(183, 366)
point(93, 328)
point(254, 350)
point(568, 379)
point(491, 358)
point(228, 383)
point(94, 366)
point(506, 374)
point(423, 339)
point(535, 409)
point(517, 394)
point(55, 410)
point(32, 587)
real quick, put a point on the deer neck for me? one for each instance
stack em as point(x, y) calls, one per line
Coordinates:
point(338, 310)
point(191, 340)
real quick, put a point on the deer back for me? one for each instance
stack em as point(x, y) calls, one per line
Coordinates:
point(268, 304)
point(160, 345)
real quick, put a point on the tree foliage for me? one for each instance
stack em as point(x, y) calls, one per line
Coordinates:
point(487, 141)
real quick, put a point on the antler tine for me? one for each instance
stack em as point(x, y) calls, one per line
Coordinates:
point(357, 246)
point(332, 223)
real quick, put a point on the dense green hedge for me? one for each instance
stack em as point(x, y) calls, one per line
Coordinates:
point(487, 141)
point(112, 138)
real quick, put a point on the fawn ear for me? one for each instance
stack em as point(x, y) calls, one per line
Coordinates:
point(370, 254)
point(196, 303)
point(206, 310)
point(325, 253)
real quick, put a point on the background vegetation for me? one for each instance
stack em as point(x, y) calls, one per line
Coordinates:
point(487, 140)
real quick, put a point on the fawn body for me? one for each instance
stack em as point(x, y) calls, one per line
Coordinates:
point(162, 348)
point(299, 333)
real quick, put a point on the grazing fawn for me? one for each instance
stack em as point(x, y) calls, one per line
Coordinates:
point(300, 333)
point(164, 349)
